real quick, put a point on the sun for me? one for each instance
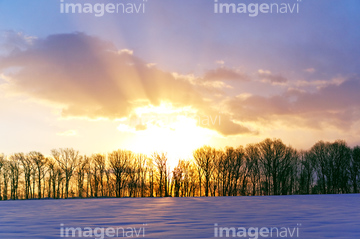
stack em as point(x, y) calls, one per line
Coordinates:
point(166, 129)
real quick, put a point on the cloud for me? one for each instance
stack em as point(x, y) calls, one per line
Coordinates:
point(222, 123)
point(91, 78)
point(223, 74)
point(268, 76)
point(140, 127)
point(14, 41)
point(335, 104)
point(318, 84)
point(126, 51)
point(310, 70)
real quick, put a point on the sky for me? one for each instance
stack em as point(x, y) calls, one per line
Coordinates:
point(176, 76)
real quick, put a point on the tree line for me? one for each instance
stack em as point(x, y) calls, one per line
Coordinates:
point(266, 168)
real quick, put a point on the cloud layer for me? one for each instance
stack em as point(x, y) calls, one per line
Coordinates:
point(332, 105)
point(90, 77)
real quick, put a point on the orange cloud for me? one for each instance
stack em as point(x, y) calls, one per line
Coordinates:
point(91, 78)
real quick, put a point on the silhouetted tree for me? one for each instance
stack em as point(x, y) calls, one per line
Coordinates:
point(306, 173)
point(190, 183)
point(161, 165)
point(204, 159)
point(252, 156)
point(14, 172)
point(27, 166)
point(151, 167)
point(80, 174)
point(99, 170)
point(142, 161)
point(39, 162)
point(355, 168)
point(67, 160)
point(5, 172)
point(236, 171)
point(177, 178)
point(266, 168)
point(318, 155)
point(2, 164)
point(119, 161)
point(52, 177)
point(332, 164)
point(276, 161)
point(339, 167)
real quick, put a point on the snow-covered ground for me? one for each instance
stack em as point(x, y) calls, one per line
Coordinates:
point(314, 216)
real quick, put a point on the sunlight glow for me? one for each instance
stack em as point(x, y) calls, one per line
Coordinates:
point(166, 129)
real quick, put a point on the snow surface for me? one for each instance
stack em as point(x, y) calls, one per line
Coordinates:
point(320, 216)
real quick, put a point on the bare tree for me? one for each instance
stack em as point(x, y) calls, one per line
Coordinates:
point(2, 164)
point(14, 172)
point(67, 160)
point(109, 183)
point(80, 174)
point(204, 159)
point(306, 173)
point(52, 177)
point(5, 173)
point(252, 164)
point(240, 172)
point(266, 168)
point(119, 161)
point(332, 164)
point(276, 160)
point(89, 175)
point(142, 162)
point(99, 170)
point(355, 168)
point(161, 165)
point(133, 179)
point(55, 178)
point(232, 171)
point(339, 167)
point(27, 166)
point(39, 162)
point(177, 178)
point(151, 176)
point(186, 177)
point(318, 155)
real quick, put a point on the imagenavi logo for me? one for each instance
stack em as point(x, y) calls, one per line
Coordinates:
point(254, 9)
point(99, 8)
point(256, 232)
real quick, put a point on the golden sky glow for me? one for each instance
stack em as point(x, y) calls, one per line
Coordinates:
point(165, 129)
point(161, 81)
